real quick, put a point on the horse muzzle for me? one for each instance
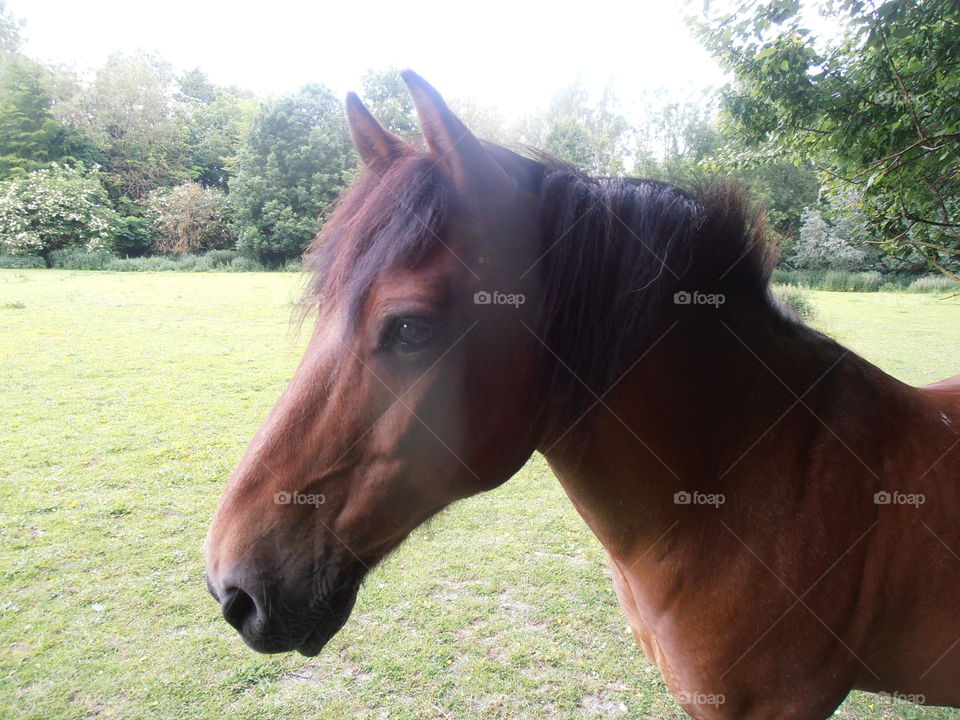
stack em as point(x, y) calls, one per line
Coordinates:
point(273, 618)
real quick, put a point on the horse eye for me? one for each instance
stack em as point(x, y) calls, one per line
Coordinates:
point(408, 335)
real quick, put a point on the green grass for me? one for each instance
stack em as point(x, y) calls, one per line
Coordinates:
point(126, 400)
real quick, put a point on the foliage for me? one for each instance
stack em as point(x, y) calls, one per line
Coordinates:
point(681, 141)
point(819, 246)
point(21, 262)
point(593, 137)
point(9, 30)
point(842, 281)
point(935, 283)
point(484, 120)
point(675, 137)
point(385, 95)
point(879, 109)
point(783, 189)
point(134, 233)
point(30, 136)
point(190, 217)
point(130, 113)
point(214, 123)
point(55, 208)
point(297, 157)
point(78, 259)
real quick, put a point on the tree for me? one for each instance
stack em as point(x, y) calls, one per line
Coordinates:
point(878, 110)
point(297, 157)
point(386, 96)
point(190, 217)
point(132, 114)
point(9, 30)
point(214, 122)
point(484, 120)
point(784, 189)
point(30, 135)
point(55, 208)
point(195, 84)
point(591, 136)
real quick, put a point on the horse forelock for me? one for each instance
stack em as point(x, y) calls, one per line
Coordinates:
point(387, 220)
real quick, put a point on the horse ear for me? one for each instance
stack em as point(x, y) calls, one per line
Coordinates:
point(455, 148)
point(377, 146)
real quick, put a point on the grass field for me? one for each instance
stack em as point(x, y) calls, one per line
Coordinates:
point(127, 398)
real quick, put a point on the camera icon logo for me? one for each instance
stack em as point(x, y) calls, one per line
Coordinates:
point(282, 498)
point(882, 498)
point(482, 298)
point(682, 298)
point(682, 498)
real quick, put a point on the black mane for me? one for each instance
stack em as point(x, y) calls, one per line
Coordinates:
point(615, 253)
point(618, 250)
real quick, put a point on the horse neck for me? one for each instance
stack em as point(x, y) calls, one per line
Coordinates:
point(712, 406)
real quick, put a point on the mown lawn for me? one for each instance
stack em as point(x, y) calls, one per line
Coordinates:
point(127, 398)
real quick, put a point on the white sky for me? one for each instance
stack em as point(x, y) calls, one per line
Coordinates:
point(508, 54)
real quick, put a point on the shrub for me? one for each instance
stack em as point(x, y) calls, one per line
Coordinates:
point(221, 258)
point(55, 208)
point(73, 259)
point(134, 234)
point(154, 263)
point(797, 299)
point(188, 218)
point(246, 264)
point(213, 261)
point(21, 262)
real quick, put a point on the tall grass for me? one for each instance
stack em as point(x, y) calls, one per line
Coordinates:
point(934, 283)
point(212, 261)
point(796, 298)
point(842, 281)
point(21, 262)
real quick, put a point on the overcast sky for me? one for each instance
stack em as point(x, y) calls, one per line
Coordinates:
point(509, 54)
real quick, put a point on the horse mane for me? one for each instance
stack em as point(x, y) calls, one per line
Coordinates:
point(620, 251)
point(615, 253)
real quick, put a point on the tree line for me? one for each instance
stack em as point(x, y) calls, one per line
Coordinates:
point(136, 159)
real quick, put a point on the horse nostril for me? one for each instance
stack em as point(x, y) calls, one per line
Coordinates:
point(237, 606)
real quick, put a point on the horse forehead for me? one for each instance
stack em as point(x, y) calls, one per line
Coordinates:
point(430, 282)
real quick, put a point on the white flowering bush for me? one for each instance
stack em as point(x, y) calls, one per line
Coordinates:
point(825, 246)
point(55, 208)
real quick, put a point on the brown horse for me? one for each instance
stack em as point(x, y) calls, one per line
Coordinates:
point(780, 515)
